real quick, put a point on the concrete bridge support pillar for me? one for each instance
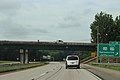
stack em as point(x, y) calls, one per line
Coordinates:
point(24, 56)
point(22, 61)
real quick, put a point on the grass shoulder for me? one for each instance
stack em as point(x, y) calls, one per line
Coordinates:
point(6, 61)
point(113, 67)
point(18, 67)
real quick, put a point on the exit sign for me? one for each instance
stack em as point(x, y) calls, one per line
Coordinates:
point(107, 50)
point(114, 42)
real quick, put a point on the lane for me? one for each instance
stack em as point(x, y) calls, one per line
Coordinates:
point(52, 71)
point(106, 74)
point(30, 73)
point(70, 74)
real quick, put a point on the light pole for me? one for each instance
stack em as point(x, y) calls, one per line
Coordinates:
point(98, 42)
point(106, 38)
point(97, 35)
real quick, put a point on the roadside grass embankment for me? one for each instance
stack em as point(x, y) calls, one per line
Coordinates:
point(108, 66)
point(18, 67)
point(6, 61)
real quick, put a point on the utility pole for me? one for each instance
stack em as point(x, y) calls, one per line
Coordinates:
point(97, 35)
point(98, 42)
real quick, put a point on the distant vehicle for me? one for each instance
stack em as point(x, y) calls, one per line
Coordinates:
point(72, 61)
point(59, 41)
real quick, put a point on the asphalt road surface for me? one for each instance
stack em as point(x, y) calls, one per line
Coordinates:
point(52, 71)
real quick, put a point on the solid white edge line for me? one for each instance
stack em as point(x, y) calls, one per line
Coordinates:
point(98, 78)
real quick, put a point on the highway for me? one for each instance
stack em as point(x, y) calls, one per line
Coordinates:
point(52, 71)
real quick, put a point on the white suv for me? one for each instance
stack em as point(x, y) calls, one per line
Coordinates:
point(72, 61)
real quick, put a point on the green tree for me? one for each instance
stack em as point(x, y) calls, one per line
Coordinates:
point(103, 27)
point(82, 54)
point(117, 28)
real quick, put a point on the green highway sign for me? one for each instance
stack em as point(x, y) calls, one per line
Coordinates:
point(114, 42)
point(107, 50)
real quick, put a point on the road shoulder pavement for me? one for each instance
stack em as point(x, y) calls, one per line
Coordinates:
point(105, 74)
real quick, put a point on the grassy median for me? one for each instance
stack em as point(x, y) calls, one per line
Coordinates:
point(20, 67)
point(107, 66)
point(6, 61)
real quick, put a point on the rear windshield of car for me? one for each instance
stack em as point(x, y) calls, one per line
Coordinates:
point(72, 58)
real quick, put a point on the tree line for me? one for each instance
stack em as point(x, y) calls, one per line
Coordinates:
point(56, 55)
point(37, 55)
point(104, 28)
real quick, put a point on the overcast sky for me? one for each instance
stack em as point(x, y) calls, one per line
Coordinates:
point(50, 20)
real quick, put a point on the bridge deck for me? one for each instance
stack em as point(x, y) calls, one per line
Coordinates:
point(47, 45)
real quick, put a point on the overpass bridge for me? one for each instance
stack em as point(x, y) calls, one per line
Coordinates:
point(25, 46)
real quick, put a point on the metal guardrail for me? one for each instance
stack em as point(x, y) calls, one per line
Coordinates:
point(83, 60)
point(89, 60)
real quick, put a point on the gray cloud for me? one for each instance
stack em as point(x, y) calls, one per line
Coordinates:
point(70, 22)
point(40, 31)
point(36, 30)
point(9, 4)
point(10, 29)
point(51, 19)
point(69, 25)
point(9, 7)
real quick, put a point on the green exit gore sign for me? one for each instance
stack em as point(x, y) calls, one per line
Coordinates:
point(107, 50)
point(114, 42)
